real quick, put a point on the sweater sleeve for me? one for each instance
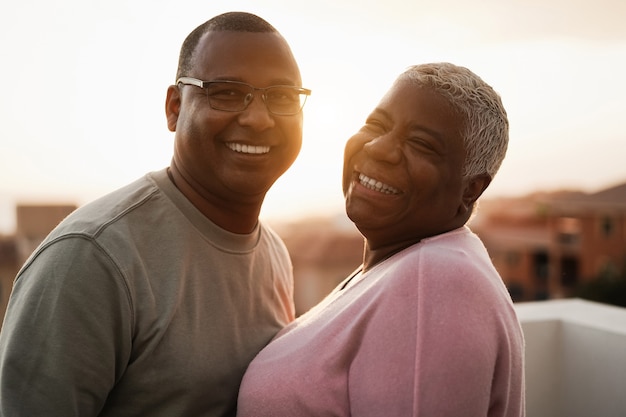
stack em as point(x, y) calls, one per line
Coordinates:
point(436, 340)
point(463, 326)
point(66, 338)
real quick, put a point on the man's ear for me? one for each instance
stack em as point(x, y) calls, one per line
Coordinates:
point(474, 189)
point(172, 107)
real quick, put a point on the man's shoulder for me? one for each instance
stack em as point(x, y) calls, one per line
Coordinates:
point(93, 217)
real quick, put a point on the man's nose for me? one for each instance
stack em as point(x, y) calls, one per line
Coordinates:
point(256, 114)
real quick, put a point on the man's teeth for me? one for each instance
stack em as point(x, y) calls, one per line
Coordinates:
point(238, 147)
point(373, 184)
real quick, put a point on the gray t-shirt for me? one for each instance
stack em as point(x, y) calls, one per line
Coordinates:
point(138, 305)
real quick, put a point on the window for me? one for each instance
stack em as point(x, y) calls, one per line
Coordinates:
point(568, 230)
point(569, 271)
point(607, 226)
point(540, 267)
point(512, 258)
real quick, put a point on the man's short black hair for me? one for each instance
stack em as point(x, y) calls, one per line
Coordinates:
point(231, 21)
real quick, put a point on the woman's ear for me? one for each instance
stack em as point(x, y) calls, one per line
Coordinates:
point(474, 189)
point(172, 107)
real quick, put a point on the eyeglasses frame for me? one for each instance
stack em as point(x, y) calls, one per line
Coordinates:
point(205, 84)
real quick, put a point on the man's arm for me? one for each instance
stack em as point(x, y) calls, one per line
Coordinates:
point(66, 336)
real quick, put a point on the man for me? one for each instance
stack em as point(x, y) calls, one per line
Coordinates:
point(152, 301)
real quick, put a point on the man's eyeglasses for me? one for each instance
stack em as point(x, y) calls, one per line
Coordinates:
point(234, 96)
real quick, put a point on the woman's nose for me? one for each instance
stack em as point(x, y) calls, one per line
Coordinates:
point(384, 148)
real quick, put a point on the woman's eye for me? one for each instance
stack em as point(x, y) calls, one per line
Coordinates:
point(422, 144)
point(374, 126)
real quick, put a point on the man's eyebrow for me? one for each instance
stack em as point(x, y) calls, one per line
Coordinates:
point(275, 81)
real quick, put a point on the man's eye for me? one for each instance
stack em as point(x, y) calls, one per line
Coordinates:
point(226, 93)
point(282, 94)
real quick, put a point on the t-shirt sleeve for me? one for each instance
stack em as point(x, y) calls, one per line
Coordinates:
point(67, 335)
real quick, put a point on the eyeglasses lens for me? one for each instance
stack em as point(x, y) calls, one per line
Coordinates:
point(236, 97)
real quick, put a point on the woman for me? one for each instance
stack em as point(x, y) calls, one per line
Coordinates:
point(425, 327)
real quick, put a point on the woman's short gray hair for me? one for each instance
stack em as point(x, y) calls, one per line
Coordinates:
point(486, 134)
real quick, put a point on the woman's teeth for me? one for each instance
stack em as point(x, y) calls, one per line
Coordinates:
point(375, 185)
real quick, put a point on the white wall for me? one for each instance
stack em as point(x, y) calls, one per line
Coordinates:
point(575, 358)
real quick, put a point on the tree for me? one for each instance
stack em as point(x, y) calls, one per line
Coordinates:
point(609, 287)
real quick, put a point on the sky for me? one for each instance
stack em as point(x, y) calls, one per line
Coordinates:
point(84, 81)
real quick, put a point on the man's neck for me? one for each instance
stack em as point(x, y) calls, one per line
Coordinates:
point(240, 219)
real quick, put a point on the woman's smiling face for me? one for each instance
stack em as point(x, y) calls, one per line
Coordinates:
point(403, 171)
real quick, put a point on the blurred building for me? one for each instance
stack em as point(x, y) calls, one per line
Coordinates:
point(547, 244)
point(543, 245)
point(34, 222)
point(8, 268)
point(323, 251)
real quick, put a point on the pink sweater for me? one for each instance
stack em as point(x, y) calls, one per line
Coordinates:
point(429, 332)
